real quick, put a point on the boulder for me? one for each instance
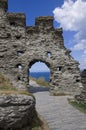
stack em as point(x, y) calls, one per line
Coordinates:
point(16, 111)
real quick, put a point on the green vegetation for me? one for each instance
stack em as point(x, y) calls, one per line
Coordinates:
point(41, 81)
point(35, 128)
point(5, 84)
point(39, 123)
point(79, 106)
point(6, 87)
point(8, 92)
point(60, 94)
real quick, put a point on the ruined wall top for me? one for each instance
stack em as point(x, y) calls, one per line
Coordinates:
point(17, 19)
point(44, 21)
point(4, 4)
point(44, 24)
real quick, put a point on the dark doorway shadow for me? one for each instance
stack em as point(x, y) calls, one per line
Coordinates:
point(34, 89)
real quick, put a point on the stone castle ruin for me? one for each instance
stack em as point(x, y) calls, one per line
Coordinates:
point(21, 46)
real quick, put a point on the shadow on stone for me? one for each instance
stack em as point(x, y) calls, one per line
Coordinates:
point(34, 89)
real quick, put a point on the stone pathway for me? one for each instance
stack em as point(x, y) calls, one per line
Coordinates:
point(58, 113)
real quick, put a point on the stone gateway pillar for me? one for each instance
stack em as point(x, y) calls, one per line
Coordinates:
point(21, 46)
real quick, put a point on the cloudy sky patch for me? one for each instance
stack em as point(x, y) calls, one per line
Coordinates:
point(72, 17)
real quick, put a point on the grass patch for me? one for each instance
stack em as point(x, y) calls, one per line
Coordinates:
point(39, 123)
point(81, 107)
point(7, 88)
point(60, 94)
point(5, 84)
point(9, 92)
point(32, 78)
point(41, 81)
point(35, 128)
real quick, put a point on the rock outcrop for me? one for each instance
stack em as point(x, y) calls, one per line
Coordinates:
point(16, 111)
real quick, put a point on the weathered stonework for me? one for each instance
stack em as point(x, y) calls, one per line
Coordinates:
point(16, 111)
point(82, 97)
point(23, 46)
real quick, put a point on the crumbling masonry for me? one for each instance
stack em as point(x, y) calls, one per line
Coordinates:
point(21, 46)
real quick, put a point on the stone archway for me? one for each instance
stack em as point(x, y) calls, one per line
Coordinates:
point(46, 64)
point(24, 45)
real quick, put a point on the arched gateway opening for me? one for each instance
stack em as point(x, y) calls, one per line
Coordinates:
point(39, 75)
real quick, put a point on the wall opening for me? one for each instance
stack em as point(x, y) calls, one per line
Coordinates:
point(19, 53)
point(19, 66)
point(59, 68)
point(49, 54)
point(40, 73)
point(77, 80)
point(18, 37)
point(12, 23)
point(18, 78)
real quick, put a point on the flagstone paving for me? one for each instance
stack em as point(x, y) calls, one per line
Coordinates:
point(58, 113)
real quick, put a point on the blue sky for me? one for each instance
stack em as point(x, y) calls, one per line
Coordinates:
point(34, 8)
point(68, 14)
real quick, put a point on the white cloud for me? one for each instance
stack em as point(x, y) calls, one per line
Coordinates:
point(72, 17)
point(81, 45)
point(83, 62)
point(39, 67)
point(85, 52)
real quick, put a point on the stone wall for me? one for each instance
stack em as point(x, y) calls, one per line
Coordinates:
point(21, 46)
point(82, 97)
